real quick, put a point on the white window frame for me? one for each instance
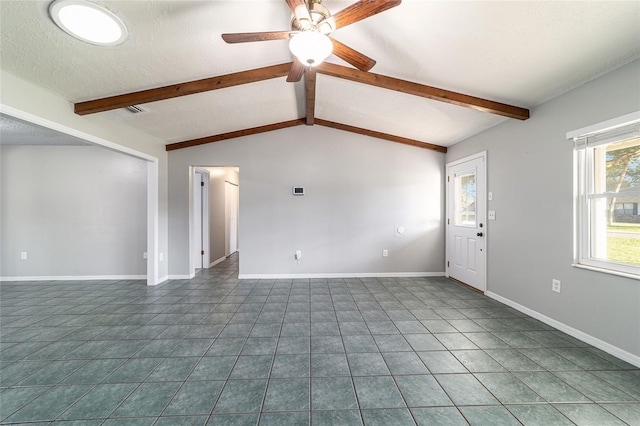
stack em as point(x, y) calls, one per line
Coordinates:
point(585, 141)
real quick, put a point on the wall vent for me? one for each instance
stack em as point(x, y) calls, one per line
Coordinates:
point(136, 109)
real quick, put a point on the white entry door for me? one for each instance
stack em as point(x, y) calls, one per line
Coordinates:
point(466, 224)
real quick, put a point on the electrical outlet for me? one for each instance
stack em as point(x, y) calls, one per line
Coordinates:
point(385, 253)
point(492, 215)
point(23, 255)
point(555, 285)
point(298, 255)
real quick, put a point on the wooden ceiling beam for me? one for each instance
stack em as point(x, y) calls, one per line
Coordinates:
point(380, 135)
point(424, 91)
point(181, 89)
point(310, 90)
point(275, 71)
point(292, 123)
point(234, 134)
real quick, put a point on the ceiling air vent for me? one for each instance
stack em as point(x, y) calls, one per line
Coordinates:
point(136, 109)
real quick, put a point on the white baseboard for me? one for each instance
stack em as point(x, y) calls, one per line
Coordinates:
point(580, 335)
point(340, 275)
point(162, 279)
point(181, 277)
point(215, 262)
point(75, 278)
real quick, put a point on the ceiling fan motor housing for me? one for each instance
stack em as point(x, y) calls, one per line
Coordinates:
point(320, 18)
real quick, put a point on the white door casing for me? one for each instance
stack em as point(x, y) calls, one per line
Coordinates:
point(200, 220)
point(197, 219)
point(231, 216)
point(466, 221)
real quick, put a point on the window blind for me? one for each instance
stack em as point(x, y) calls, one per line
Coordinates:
point(610, 135)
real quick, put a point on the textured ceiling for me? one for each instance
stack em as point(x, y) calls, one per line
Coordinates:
point(516, 52)
point(17, 132)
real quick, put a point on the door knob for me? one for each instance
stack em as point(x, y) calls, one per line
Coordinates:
point(479, 234)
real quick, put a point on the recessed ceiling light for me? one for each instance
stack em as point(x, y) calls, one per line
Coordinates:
point(88, 22)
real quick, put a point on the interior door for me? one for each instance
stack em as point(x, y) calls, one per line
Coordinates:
point(466, 225)
point(198, 229)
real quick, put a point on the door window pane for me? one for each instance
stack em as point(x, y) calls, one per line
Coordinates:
point(465, 199)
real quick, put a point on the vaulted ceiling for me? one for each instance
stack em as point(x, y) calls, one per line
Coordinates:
point(513, 55)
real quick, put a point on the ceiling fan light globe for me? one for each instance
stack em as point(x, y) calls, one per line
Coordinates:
point(311, 47)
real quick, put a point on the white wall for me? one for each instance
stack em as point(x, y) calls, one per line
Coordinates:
point(531, 241)
point(29, 102)
point(359, 189)
point(75, 210)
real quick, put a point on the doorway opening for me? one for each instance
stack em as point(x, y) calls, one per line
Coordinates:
point(153, 254)
point(214, 215)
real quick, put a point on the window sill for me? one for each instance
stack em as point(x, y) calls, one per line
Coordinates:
point(606, 271)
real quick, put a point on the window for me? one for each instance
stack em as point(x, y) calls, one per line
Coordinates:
point(607, 167)
point(465, 199)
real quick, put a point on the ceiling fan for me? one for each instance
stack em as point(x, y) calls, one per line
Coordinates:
point(311, 24)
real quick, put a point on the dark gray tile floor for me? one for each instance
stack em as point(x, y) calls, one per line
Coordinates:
point(215, 350)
